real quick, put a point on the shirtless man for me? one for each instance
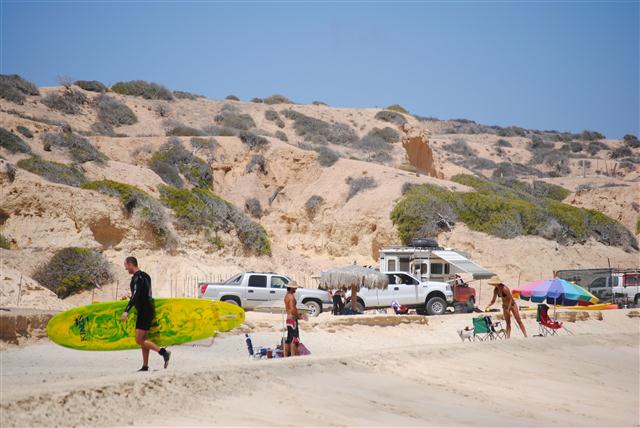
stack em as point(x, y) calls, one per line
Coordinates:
point(509, 306)
point(293, 334)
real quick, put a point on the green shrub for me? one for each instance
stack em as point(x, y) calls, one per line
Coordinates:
point(319, 103)
point(326, 156)
point(183, 95)
point(391, 116)
point(15, 89)
point(257, 162)
point(621, 152)
point(273, 116)
point(53, 171)
point(68, 102)
point(139, 203)
point(253, 207)
point(277, 99)
point(232, 98)
point(201, 210)
point(281, 136)
point(185, 131)
point(503, 143)
point(146, 90)
point(257, 100)
point(321, 132)
point(631, 141)
point(204, 144)
point(376, 148)
point(173, 154)
point(114, 112)
point(220, 131)
point(79, 148)
point(12, 142)
point(4, 242)
point(312, 206)
point(24, 131)
point(360, 184)
point(72, 270)
point(101, 128)
point(387, 134)
point(638, 226)
point(231, 119)
point(255, 142)
point(397, 108)
point(91, 85)
point(507, 209)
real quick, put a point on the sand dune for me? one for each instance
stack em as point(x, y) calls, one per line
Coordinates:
point(415, 373)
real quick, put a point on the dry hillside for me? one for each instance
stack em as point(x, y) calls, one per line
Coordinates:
point(321, 181)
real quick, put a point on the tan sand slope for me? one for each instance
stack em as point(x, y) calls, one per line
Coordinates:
point(411, 374)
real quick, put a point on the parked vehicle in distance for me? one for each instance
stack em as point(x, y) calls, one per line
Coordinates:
point(250, 289)
point(427, 297)
point(626, 288)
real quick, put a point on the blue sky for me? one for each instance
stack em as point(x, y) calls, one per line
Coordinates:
point(545, 65)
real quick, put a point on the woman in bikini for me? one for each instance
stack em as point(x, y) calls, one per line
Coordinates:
point(509, 306)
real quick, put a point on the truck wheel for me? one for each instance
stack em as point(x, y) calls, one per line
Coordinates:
point(436, 306)
point(314, 308)
point(230, 300)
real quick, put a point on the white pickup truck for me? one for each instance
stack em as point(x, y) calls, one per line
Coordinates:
point(427, 297)
point(250, 289)
point(626, 288)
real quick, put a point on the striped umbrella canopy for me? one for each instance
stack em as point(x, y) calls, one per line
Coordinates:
point(555, 291)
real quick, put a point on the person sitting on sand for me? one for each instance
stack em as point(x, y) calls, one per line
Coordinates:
point(293, 333)
point(338, 300)
point(143, 302)
point(509, 306)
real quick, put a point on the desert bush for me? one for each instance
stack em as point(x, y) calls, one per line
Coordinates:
point(53, 171)
point(184, 131)
point(208, 145)
point(460, 147)
point(91, 85)
point(257, 100)
point(507, 211)
point(360, 184)
point(277, 99)
point(591, 136)
point(24, 131)
point(173, 154)
point(377, 149)
point(326, 156)
point(312, 206)
point(593, 147)
point(397, 108)
point(231, 119)
point(232, 98)
point(620, 152)
point(15, 89)
point(321, 132)
point(114, 112)
point(162, 109)
point(146, 90)
point(513, 169)
point(391, 116)
point(503, 143)
point(140, 204)
point(4, 242)
point(273, 116)
point(184, 95)
point(257, 162)
point(69, 102)
point(79, 148)
point(319, 103)
point(511, 131)
point(101, 128)
point(542, 189)
point(388, 134)
point(72, 270)
point(11, 142)
point(220, 131)
point(201, 210)
point(281, 136)
point(255, 142)
point(631, 141)
point(253, 207)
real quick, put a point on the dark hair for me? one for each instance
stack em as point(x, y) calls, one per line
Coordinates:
point(131, 260)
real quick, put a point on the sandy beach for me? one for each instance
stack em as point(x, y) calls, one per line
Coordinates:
point(372, 370)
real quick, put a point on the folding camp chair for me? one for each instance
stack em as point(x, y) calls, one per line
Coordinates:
point(546, 325)
point(498, 332)
point(481, 329)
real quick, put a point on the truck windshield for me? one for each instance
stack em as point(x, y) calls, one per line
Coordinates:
point(234, 280)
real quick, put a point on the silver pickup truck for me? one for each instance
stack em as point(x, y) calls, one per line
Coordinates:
point(250, 289)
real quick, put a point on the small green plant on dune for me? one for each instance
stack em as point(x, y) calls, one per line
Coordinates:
point(185, 131)
point(199, 210)
point(69, 102)
point(397, 108)
point(505, 210)
point(24, 131)
point(4, 242)
point(53, 171)
point(13, 143)
point(277, 99)
point(91, 85)
point(172, 158)
point(74, 269)
point(146, 90)
point(78, 147)
point(391, 117)
point(137, 202)
point(16, 89)
point(114, 112)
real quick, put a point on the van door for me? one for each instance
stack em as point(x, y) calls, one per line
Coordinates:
point(408, 290)
point(257, 291)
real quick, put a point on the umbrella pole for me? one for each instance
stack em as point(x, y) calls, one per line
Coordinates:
point(354, 298)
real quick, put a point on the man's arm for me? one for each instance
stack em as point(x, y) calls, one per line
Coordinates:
point(493, 300)
point(132, 300)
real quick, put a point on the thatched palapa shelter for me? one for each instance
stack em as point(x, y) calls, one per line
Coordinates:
point(354, 277)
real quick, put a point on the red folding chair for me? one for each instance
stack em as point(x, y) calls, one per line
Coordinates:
point(546, 325)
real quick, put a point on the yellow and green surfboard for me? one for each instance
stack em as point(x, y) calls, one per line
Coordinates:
point(97, 327)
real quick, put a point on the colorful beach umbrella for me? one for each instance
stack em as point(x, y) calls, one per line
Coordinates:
point(555, 291)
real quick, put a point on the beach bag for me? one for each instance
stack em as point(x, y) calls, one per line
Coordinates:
point(302, 350)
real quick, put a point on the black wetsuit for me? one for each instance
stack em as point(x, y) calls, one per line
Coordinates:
point(142, 300)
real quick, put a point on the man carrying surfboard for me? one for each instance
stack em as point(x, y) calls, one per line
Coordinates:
point(142, 300)
point(293, 333)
